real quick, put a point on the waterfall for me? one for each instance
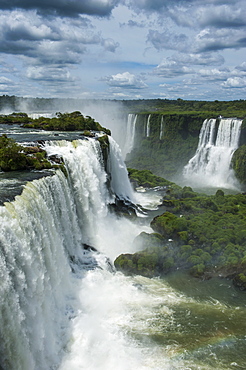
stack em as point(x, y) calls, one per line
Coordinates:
point(42, 250)
point(161, 128)
point(148, 126)
point(210, 165)
point(119, 176)
point(35, 284)
point(84, 157)
point(130, 134)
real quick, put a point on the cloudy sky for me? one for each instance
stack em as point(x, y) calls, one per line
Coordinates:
point(123, 49)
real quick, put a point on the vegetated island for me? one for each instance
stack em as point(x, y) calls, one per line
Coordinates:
point(74, 121)
point(205, 235)
point(14, 156)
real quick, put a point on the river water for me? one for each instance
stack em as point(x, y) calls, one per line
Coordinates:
point(63, 307)
point(172, 323)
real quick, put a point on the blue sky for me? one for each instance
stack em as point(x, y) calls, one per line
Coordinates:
point(123, 49)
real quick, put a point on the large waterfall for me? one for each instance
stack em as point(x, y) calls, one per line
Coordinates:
point(49, 237)
point(62, 304)
point(210, 165)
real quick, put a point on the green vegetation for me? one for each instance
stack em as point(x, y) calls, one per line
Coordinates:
point(104, 144)
point(204, 234)
point(146, 179)
point(11, 156)
point(14, 118)
point(74, 121)
point(236, 108)
point(16, 157)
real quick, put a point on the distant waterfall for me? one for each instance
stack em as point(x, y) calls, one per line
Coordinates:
point(210, 166)
point(148, 126)
point(161, 128)
point(130, 134)
point(41, 236)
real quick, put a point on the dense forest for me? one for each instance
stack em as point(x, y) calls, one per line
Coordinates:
point(235, 108)
point(203, 234)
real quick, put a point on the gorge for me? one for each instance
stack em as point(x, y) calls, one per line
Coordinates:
point(186, 148)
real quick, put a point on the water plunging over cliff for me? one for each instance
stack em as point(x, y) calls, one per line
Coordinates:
point(130, 134)
point(42, 238)
point(161, 128)
point(210, 166)
point(148, 126)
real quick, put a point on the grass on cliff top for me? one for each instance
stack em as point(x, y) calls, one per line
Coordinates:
point(147, 179)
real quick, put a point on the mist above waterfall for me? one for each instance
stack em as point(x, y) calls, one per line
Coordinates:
point(110, 114)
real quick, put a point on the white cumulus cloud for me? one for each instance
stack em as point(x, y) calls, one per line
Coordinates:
point(125, 80)
point(235, 82)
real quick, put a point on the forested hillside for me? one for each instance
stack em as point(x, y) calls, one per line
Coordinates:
point(235, 108)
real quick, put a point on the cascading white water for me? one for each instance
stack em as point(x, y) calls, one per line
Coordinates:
point(36, 230)
point(130, 134)
point(210, 166)
point(148, 126)
point(119, 176)
point(41, 243)
point(92, 197)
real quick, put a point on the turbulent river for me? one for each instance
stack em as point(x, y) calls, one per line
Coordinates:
point(62, 305)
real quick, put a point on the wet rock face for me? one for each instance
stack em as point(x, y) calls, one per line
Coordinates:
point(123, 207)
point(243, 134)
point(238, 164)
point(90, 259)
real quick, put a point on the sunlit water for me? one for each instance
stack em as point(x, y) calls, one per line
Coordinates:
point(141, 323)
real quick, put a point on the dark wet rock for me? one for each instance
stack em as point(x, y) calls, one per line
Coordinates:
point(90, 259)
